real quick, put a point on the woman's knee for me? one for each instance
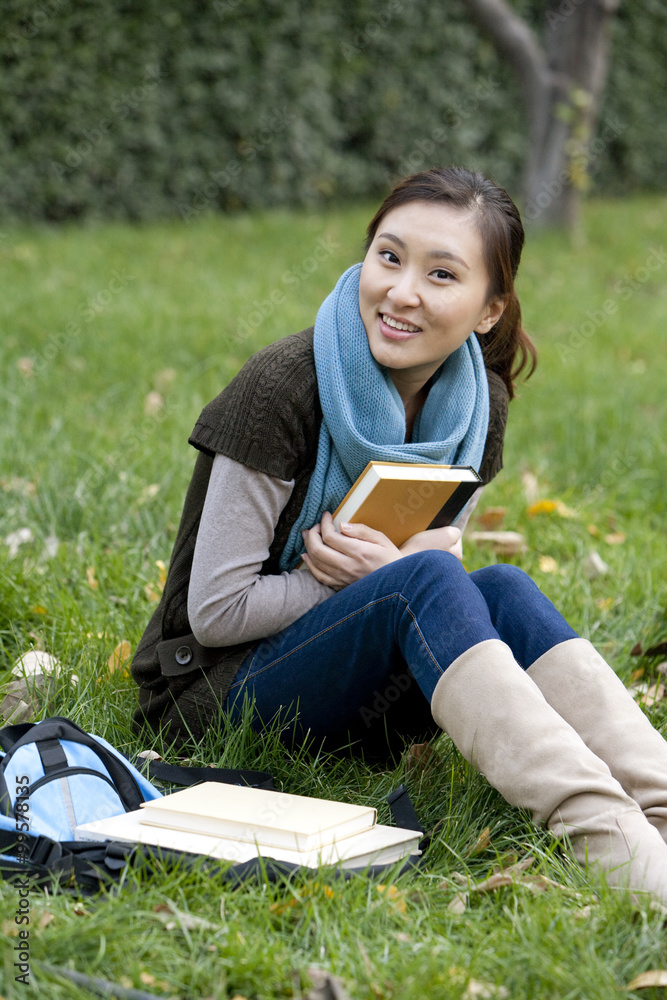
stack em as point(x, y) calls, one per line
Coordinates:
point(503, 580)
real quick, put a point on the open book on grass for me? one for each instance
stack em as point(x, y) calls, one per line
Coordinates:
point(402, 498)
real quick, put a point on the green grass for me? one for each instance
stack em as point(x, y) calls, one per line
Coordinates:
point(110, 314)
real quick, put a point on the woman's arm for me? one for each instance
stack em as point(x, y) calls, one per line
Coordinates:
point(228, 600)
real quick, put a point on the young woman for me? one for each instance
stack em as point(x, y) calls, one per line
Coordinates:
point(412, 358)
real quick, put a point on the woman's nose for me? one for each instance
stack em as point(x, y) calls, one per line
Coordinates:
point(404, 290)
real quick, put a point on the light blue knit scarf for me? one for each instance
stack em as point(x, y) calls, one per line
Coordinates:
point(363, 415)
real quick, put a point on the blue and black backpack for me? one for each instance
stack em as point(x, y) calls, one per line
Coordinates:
point(54, 776)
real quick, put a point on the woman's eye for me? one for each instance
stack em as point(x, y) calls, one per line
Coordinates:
point(389, 256)
point(442, 273)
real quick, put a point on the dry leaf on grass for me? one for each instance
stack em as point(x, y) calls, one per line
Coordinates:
point(530, 485)
point(548, 564)
point(153, 404)
point(174, 919)
point(45, 918)
point(516, 875)
point(15, 539)
point(549, 507)
point(505, 543)
point(481, 844)
point(615, 538)
point(476, 989)
point(594, 566)
point(492, 517)
point(325, 986)
point(91, 578)
point(654, 694)
point(120, 656)
point(26, 366)
point(654, 977)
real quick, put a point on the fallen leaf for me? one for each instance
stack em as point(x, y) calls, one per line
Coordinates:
point(149, 492)
point(420, 757)
point(594, 566)
point(548, 564)
point(51, 546)
point(39, 609)
point(654, 977)
point(506, 543)
point(34, 663)
point(153, 404)
point(615, 538)
point(476, 989)
point(394, 895)
point(163, 379)
point(655, 693)
point(482, 843)
point(15, 539)
point(605, 603)
point(149, 755)
point(26, 366)
point(79, 910)
point(459, 903)
point(90, 577)
point(636, 649)
point(120, 655)
point(530, 485)
point(593, 530)
point(45, 918)
point(549, 507)
point(492, 517)
point(186, 921)
point(637, 674)
point(325, 986)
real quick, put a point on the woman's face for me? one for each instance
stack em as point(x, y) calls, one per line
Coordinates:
point(424, 289)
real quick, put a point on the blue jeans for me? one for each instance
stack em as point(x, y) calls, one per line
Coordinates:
point(364, 663)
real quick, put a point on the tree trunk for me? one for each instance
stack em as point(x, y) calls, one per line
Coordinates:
point(561, 82)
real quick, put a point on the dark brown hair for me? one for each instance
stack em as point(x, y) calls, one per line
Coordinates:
point(507, 348)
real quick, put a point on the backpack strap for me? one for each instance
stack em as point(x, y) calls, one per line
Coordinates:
point(402, 809)
point(176, 775)
point(10, 734)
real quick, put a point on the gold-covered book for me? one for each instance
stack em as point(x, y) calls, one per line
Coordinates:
point(401, 498)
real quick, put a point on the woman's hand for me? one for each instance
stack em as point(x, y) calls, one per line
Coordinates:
point(447, 539)
point(339, 558)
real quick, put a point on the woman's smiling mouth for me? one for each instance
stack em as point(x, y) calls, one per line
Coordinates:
point(397, 329)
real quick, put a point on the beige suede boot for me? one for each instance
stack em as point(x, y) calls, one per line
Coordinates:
point(501, 723)
point(586, 692)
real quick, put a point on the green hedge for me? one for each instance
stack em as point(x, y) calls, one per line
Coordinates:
point(148, 109)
